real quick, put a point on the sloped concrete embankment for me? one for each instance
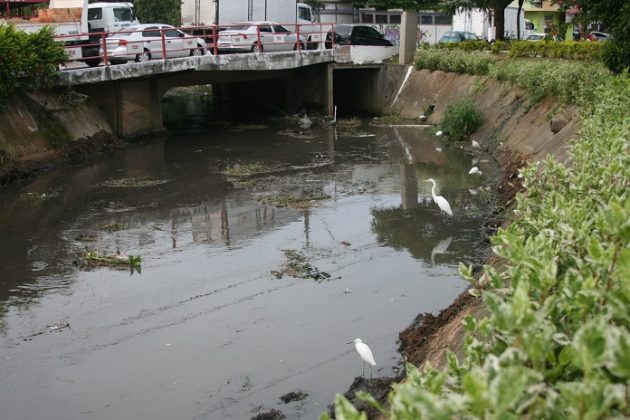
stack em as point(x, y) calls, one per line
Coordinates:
point(515, 130)
point(38, 130)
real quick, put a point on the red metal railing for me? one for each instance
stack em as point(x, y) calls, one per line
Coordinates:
point(166, 43)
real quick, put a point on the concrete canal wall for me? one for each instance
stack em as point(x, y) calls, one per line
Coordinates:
point(512, 121)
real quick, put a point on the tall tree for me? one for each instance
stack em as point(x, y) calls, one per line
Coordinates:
point(615, 16)
point(518, 18)
point(497, 7)
point(158, 11)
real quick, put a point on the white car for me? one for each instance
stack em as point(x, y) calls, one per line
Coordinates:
point(141, 43)
point(244, 38)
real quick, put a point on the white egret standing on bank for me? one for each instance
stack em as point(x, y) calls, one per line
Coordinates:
point(365, 353)
point(439, 200)
point(475, 144)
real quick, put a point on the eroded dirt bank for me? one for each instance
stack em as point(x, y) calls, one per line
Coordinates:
point(38, 130)
point(516, 131)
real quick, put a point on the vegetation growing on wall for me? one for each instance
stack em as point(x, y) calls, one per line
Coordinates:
point(461, 119)
point(556, 342)
point(27, 61)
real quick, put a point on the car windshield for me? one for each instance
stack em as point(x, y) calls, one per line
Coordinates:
point(343, 30)
point(123, 14)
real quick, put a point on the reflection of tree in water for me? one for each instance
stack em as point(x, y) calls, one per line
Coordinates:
point(425, 233)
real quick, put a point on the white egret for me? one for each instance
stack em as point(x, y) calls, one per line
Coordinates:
point(475, 144)
point(365, 353)
point(475, 170)
point(438, 149)
point(439, 200)
point(439, 133)
point(423, 117)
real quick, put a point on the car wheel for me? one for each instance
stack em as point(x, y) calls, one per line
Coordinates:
point(143, 57)
point(197, 52)
point(255, 47)
point(295, 47)
point(93, 62)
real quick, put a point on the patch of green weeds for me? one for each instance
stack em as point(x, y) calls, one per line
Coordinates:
point(115, 227)
point(461, 119)
point(298, 266)
point(92, 259)
point(133, 183)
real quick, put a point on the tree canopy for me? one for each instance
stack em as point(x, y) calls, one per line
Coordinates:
point(158, 11)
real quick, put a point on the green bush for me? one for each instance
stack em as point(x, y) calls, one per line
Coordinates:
point(27, 61)
point(616, 55)
point(461, 119)
point(456, 61)
point(580, 50)
point(556, 342)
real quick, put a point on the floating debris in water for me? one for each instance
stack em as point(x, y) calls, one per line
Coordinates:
point(292, 202)
point(92, 259)
point(293, 396)
point(114, 227)
point(250, 169)
point(85, 237)
point(298, 266)
point(133, 183)
point(297, 134)
point(41, 196)
point(243, 127)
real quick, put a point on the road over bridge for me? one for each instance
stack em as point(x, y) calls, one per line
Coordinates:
point(130, 94)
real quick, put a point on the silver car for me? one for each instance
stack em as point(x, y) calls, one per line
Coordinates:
point(244, 38)
point(141, 43)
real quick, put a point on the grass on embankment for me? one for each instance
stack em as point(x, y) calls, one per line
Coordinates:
point(557, 341)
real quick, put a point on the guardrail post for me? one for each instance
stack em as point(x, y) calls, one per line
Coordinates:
point(259, 48)
point(104, 42)
point(215, 39)
point(163, 44)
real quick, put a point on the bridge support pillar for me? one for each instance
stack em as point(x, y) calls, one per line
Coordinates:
point(132, 107)
point(315, 84)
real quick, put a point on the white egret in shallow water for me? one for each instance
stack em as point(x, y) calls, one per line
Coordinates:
point(439, 200)
point(475, 170)
point(475, 144)
point(365, 353)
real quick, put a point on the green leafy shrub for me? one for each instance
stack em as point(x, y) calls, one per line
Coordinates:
point(580, 50)
point(616, 55)
point(461, 119)
point(456, 61)
point(556, 343)
point(27, 61)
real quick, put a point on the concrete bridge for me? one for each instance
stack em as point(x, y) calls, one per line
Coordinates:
point(130, 95)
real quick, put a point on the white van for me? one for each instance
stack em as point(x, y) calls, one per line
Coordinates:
point(110, 17)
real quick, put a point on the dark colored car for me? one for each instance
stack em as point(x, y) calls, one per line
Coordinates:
point(357, 35)
point(458, 36)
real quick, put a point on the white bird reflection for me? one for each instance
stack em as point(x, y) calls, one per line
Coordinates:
point(440, 248)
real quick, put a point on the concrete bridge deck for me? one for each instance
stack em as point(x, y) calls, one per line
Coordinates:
point(207, 63)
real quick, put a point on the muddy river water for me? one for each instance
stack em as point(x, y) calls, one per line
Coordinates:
point(205, 330)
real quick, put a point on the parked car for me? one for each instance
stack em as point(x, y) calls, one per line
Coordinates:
point(141, 43)
point(357, 35)
point(458, 36)
point(597, 36)
point(244, 38)
point(543, 37)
